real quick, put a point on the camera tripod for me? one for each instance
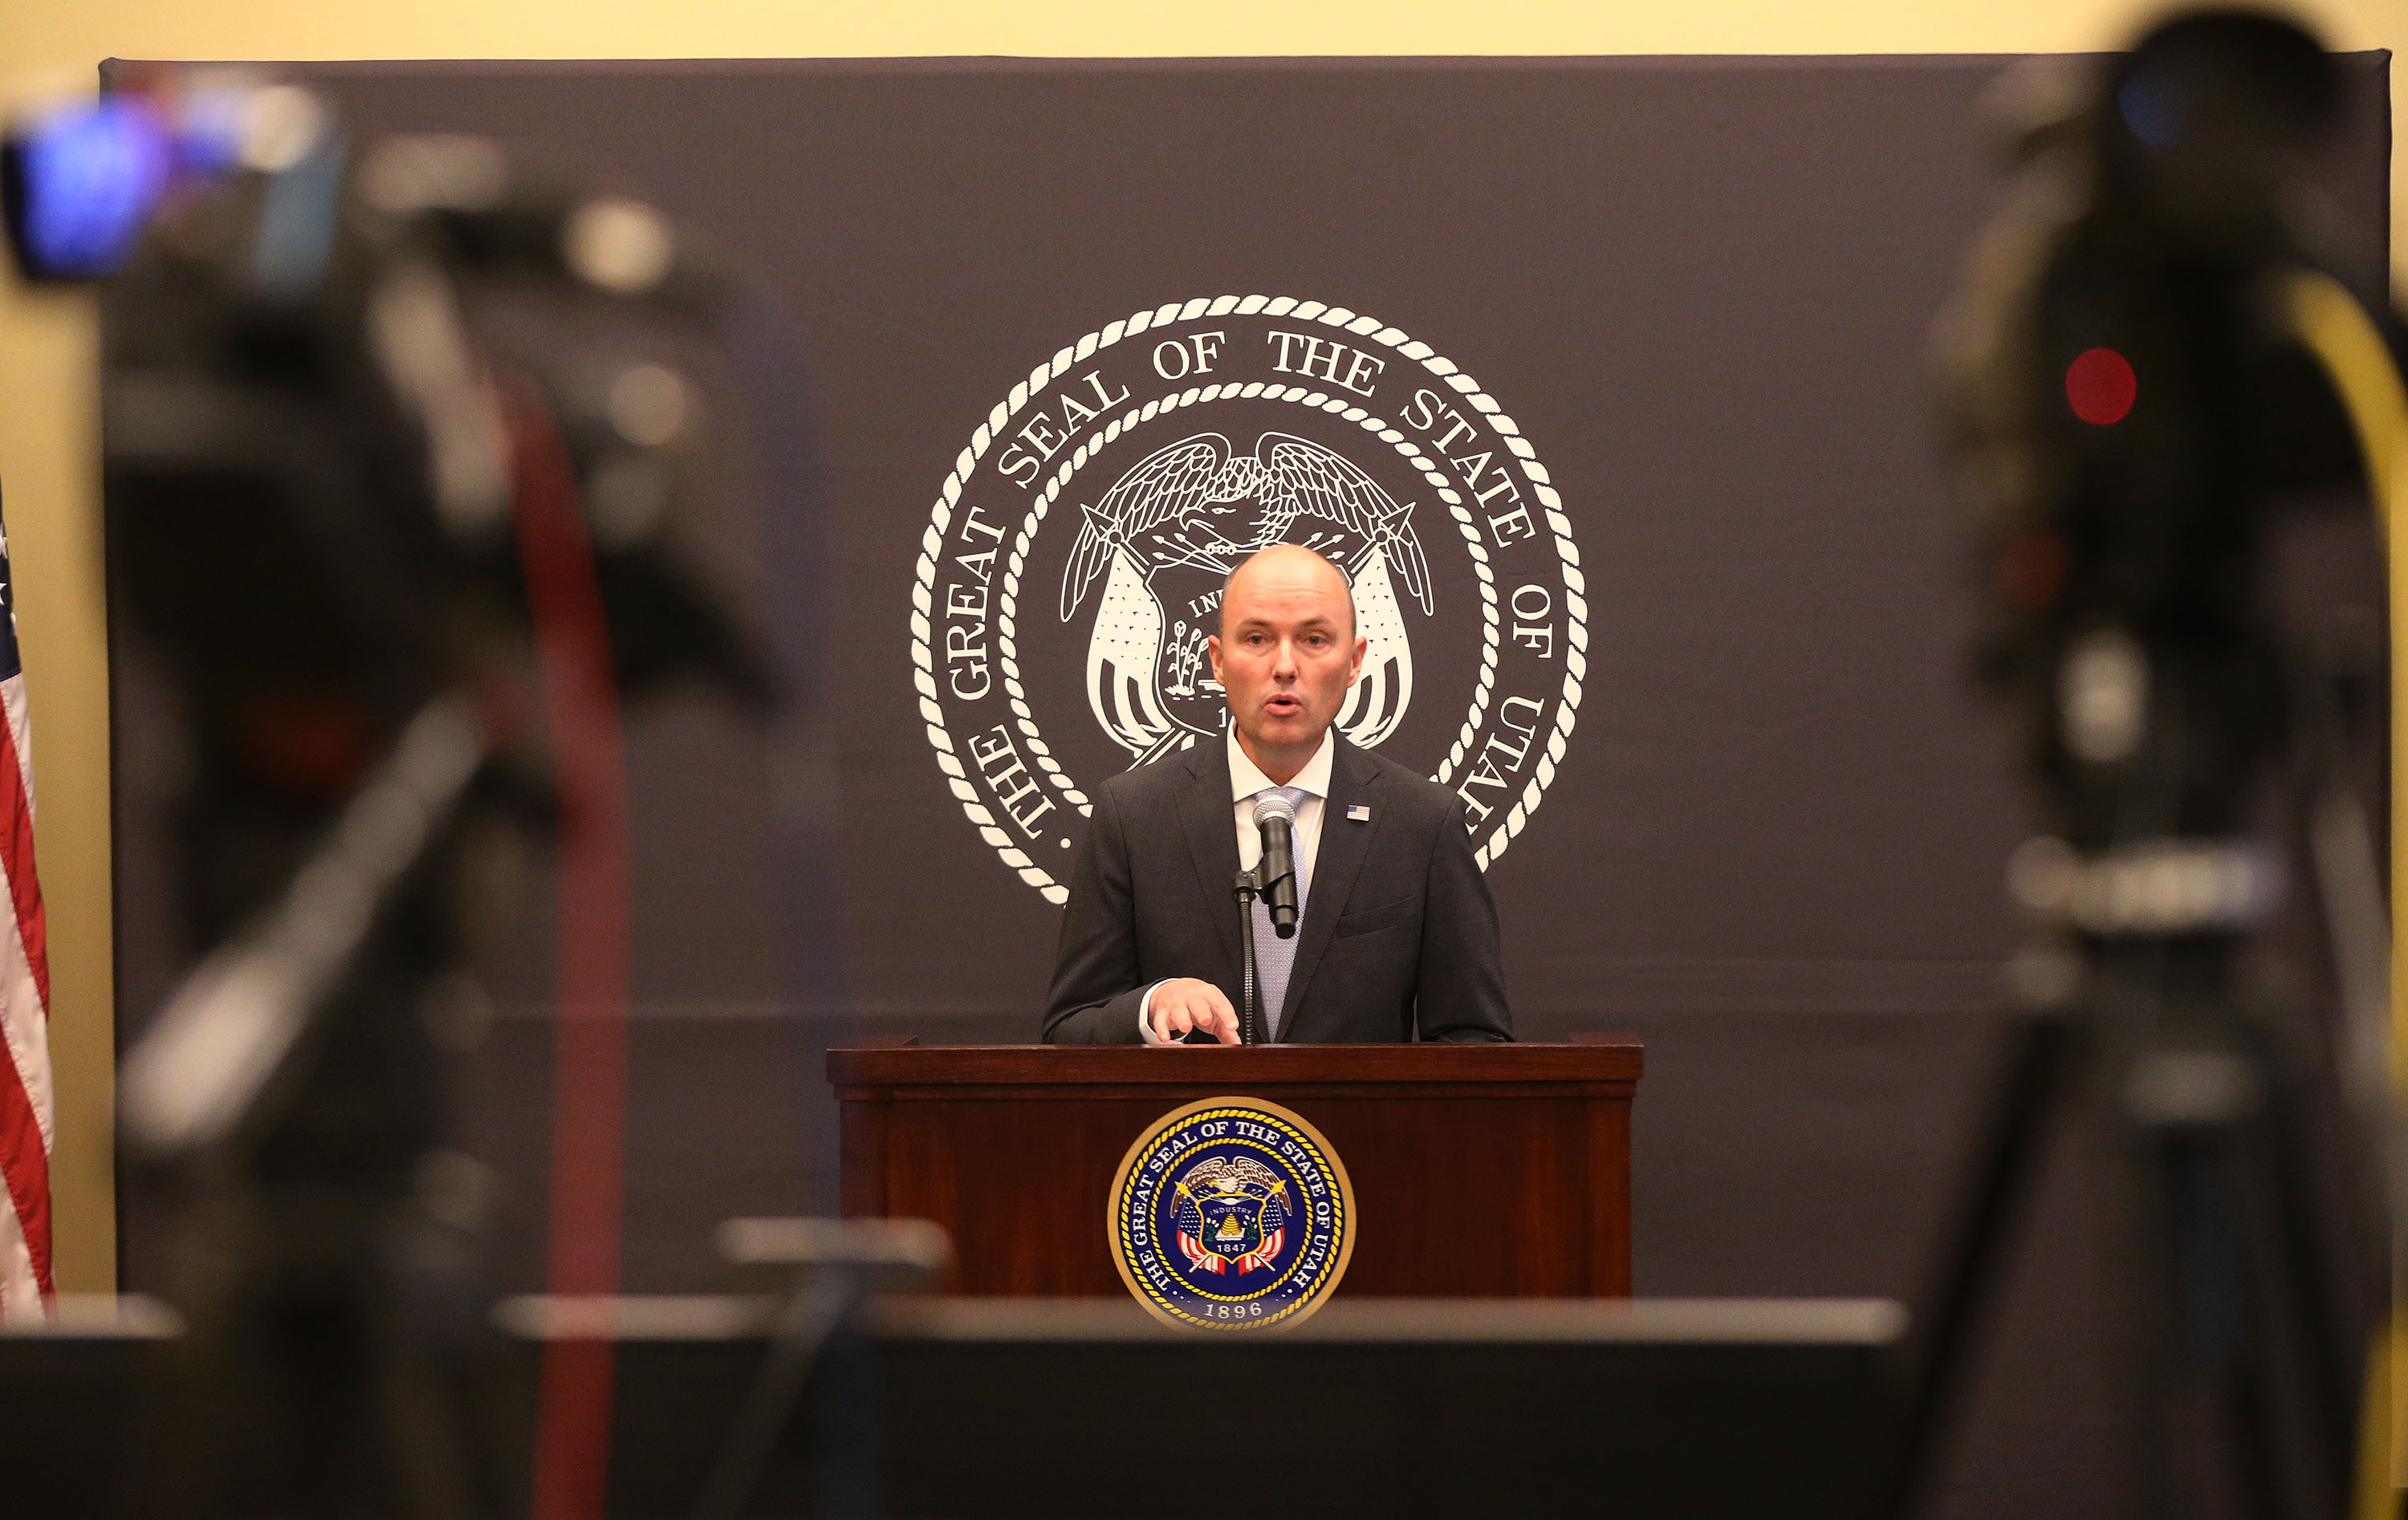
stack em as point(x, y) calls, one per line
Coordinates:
point(2236, 1307)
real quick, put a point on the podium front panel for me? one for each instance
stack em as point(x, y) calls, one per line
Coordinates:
point(1479, 1171)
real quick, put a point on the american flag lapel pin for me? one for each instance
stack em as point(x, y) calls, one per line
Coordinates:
point(1358, 813)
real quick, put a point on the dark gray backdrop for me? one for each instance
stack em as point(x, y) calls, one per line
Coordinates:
point(1704, 289)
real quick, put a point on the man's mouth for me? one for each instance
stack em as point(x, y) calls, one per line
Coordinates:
point(1283, 705)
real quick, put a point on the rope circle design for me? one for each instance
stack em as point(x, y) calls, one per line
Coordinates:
point(1466, 390)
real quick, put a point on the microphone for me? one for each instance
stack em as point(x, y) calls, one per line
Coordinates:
point(1275, 816)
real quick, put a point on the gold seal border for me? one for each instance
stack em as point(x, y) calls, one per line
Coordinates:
point(1295, 1313)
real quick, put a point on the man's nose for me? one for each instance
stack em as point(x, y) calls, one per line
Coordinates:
point(1285, 664)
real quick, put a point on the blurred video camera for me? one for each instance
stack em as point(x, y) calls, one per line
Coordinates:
point(2155, 358)
point(401, 534)
point(319, 458)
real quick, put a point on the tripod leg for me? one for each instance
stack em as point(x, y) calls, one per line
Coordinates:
point(2040, 1051)
point(2322, 1266)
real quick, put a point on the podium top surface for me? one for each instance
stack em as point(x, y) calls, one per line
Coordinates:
point(1616, 1059)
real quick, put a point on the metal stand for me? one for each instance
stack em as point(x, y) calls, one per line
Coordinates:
point(2235, 1341)
point(829, 1269)
point(288, 1103)
point(2228, 1341)
point(2029, 1080)
point(1248, 887)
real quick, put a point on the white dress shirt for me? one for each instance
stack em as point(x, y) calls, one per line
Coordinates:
point(1247, 781)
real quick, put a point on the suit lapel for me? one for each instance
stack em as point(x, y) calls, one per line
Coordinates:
point(1213, 844)
point(1344, 845)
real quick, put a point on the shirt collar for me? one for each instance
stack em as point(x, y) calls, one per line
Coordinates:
point(1246, 777)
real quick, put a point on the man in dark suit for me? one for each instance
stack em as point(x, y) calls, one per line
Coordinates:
point(1398, 936)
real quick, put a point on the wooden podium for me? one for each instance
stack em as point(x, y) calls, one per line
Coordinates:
point(1479, 1171)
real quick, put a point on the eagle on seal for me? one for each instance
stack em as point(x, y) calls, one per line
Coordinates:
point(1231, 1215)
point(1168, 534)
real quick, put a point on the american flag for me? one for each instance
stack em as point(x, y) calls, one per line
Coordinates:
point(28, 1123)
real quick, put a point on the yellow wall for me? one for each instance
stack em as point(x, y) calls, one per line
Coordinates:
point(47, 418)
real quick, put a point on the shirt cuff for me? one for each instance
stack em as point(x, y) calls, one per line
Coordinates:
point(1145, 1019)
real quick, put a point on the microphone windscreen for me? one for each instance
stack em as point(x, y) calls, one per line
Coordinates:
point(1270, 805)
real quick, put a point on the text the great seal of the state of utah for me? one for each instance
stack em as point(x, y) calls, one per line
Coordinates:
point(1072, 568)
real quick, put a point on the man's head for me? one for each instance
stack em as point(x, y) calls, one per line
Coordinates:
point(1286, 653)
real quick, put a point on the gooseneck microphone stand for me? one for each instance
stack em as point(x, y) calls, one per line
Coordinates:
point(1252, 1022)
point(1249, 885)
point(1273, 880)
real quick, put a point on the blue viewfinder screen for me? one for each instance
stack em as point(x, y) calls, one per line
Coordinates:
point(87, 177)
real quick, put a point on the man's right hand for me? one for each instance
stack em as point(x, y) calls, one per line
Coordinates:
point(1185, 1003)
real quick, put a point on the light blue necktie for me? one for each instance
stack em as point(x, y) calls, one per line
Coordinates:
point(1274, 957)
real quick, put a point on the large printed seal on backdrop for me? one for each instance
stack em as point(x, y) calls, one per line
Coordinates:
point(1232, 1213)
point(1072, 569)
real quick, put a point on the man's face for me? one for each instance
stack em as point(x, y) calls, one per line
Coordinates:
point(1286, 652)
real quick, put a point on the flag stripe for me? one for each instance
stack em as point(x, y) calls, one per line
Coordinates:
point(17, 846)
point(20, 1292)
point(25, 1165)
point(27, 1103)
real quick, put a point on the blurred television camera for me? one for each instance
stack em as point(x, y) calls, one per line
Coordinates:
point(2151, 360)
point(400, 571)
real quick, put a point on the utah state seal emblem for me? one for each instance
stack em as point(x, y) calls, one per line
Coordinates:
point(1072, 572)
point(1232, 1213)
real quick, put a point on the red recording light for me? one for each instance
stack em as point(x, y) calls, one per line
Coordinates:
point(2102, 387)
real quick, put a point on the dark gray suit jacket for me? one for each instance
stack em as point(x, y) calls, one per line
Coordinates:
point(1398, 931)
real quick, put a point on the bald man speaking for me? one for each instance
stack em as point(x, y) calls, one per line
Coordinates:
point(1396, 937)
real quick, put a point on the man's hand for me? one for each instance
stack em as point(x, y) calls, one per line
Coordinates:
point(1185, 1003)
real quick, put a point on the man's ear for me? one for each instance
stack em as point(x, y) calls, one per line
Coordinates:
point(1355, 671)
point(1213, 646)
